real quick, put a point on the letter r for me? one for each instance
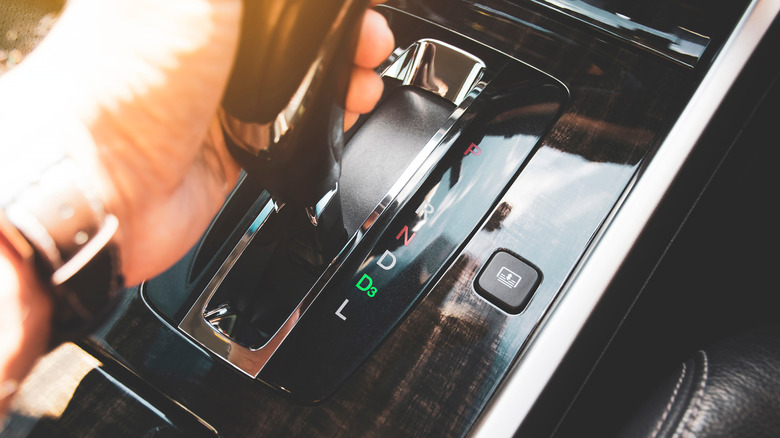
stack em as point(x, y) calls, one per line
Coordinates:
point(425, 209)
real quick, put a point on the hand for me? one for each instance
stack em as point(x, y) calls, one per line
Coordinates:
point(130, 88)
point(142, 80)
point(374, 46)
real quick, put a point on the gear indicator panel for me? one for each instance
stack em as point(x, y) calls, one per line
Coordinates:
point(401, 255)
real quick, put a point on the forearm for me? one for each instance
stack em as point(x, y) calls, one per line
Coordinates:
point(24, 326)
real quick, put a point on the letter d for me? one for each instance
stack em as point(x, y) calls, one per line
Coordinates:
point(360, 286)
point(382, 262)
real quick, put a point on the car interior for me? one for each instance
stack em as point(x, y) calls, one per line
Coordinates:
point(555, 206)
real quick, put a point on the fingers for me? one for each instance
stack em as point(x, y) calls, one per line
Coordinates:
point(376, 41)
point(350, 118)
point(374, 46)
point(365, 89)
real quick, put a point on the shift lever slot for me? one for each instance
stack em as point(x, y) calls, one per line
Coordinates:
point(273, 274)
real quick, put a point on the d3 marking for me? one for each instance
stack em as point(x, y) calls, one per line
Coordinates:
point(366, 284)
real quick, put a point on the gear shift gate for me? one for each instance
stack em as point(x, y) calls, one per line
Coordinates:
point(273, 274)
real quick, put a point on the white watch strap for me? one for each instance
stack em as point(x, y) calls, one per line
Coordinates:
point(63, 219)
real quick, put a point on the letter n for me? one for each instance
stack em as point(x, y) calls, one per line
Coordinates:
point(405, 232)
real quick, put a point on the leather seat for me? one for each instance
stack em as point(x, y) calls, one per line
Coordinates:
point(731, 389)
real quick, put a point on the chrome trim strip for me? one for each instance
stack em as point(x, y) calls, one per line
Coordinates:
point(681, 45)
point(438, 67)
point(546, 349)
point(314, 213)
point(195, 326)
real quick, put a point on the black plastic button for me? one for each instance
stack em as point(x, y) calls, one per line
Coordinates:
point(507, 281)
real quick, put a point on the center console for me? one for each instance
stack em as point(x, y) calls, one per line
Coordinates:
point(483, 214)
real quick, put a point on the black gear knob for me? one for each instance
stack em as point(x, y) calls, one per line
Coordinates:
point(283, 108)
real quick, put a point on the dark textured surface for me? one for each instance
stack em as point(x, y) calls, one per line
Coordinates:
point(715, 277)
point(729, 389)
point(384, 146)
point(72, 395)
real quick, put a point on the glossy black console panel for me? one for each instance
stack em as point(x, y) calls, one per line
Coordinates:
point(398, 258)
point(72, 395)
point(678, 31)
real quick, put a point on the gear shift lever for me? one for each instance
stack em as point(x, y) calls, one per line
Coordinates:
point(283, 108)
point(283, 119)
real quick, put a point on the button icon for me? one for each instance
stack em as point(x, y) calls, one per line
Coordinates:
point(507, 281)
point(508, 278)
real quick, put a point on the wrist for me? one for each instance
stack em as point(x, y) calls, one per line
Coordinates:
point(54, 201)
point(25, 326)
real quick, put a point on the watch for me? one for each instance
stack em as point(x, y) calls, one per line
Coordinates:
point(54, 220)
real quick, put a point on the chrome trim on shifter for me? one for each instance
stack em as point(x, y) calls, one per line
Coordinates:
point(437, 67)
point(425, 160)
point(194, 322)
point(419, 60)
point(255, 138)
point(313, 213)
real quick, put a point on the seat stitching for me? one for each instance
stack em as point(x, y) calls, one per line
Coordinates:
point(669, 405)
point(684, 428)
